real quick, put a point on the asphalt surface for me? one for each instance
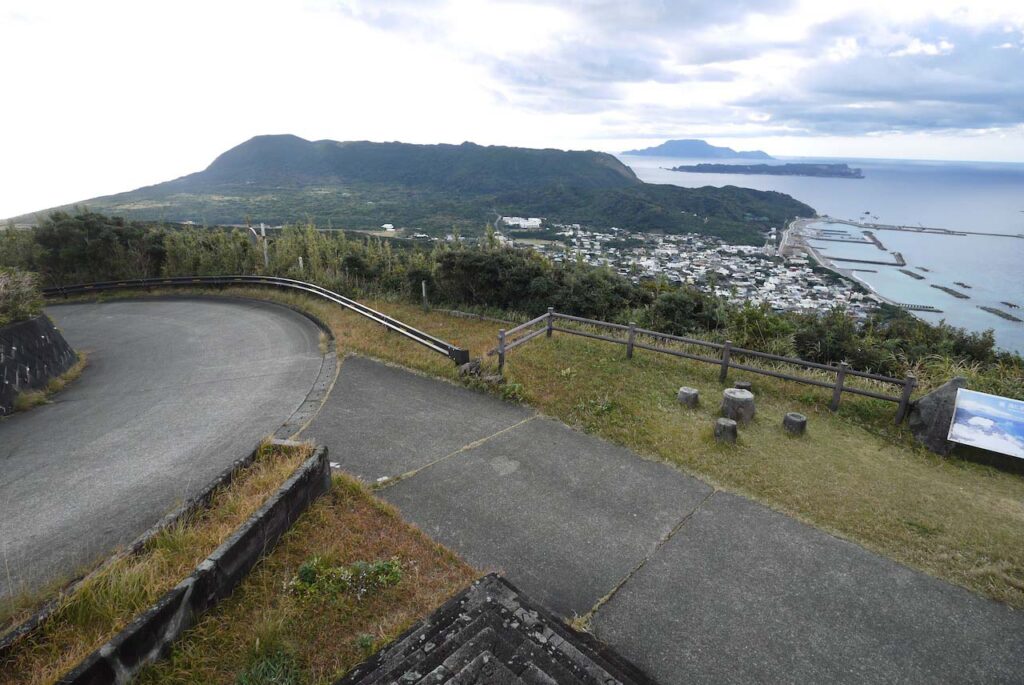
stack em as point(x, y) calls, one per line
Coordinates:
point(691, 584)
point(175, 390)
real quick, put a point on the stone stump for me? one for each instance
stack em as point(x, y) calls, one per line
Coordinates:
point(470, 369)
point(743, 385)
point(930, 416)
point(725, 430)
point(688, 397)
point(738, 405)
point(794, 423)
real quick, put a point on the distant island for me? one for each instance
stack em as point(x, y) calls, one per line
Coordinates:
point(824, 170)
point(696, 149)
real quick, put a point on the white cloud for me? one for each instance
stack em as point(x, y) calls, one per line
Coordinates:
point(1002, 443)
point(919, 47)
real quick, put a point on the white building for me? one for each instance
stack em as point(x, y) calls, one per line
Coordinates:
point(532, 223)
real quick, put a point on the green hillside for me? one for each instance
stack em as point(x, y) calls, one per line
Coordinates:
point(361, 185)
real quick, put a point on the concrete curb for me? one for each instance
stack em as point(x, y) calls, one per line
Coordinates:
point(186, 509)
point(151, 634)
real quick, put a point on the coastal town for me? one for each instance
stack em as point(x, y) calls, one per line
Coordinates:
point(738, 273)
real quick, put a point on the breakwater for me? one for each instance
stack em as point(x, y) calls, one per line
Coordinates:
point(955, 293)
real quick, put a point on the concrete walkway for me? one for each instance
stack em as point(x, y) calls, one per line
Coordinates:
point(691, 584)
point(175, 390)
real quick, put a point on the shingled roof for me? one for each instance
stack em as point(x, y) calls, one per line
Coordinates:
point(491, 633)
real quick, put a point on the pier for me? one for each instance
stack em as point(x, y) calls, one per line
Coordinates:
point(917, 229)
point(899, 260)
point(920, 308)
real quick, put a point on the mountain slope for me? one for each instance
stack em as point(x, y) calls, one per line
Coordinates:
point(361, 185)
point(697, 149)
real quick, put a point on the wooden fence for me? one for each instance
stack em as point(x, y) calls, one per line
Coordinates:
point(723, 356)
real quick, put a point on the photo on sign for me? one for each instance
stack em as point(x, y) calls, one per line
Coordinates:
point(988, 422)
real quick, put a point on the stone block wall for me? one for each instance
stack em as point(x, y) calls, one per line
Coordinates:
point(31, 353)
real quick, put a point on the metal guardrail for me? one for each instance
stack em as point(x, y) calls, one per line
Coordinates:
point(723, 358)
point(456, 354)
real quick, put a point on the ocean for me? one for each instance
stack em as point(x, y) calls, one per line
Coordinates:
point(967, 196)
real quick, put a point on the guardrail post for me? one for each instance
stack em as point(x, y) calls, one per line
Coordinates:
point(725, 361)
point(426, 304)
point(501, 351)
point(908, 387)
point(837, 392)
point(631, 340)
point(551, 321)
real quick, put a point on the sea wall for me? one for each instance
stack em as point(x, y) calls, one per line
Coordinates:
point(31, 354)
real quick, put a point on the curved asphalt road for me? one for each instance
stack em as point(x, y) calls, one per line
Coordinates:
point(175, 390)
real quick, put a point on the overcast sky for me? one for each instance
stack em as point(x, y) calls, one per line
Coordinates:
point(103, 96)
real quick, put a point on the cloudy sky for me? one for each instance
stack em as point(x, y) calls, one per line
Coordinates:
point(104, 96)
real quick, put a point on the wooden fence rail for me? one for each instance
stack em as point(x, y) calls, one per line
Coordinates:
point(724, 356)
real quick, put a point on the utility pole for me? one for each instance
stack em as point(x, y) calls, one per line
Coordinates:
point(263, 236)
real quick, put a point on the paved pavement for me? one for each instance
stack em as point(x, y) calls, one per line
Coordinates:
point(174, 392)
point(691, 584)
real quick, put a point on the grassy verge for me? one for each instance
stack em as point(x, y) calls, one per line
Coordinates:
point(108, 600)
point(33, 398)
point(854, 474)
point(274, 629)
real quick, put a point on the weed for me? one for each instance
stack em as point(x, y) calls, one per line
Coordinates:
point(318, 577)
point(276, 667)
point(366, 643)
point(513, 392)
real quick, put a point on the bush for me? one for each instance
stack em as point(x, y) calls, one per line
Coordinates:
point(20, 298)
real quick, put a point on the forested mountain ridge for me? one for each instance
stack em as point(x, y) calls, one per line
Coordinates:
point(360, 185)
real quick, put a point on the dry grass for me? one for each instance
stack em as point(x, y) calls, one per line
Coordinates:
point(316, 639)
point(854, 474)
point(33, 398)
point(106, 602)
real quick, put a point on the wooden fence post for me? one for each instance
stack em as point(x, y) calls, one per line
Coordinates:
point(908, 387)
point(426, 304)
point(725, 361)
point(837, 392)
point(631, 340)
point(551, 321)
point(501, 351)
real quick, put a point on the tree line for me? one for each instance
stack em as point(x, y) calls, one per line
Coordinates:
point(71, 248)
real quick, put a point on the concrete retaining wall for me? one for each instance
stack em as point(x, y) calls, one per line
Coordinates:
point(151, 634)
point(31, 353)
point(186, 509)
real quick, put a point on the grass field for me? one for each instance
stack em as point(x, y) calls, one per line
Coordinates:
point(854, 474)
point(110, 598)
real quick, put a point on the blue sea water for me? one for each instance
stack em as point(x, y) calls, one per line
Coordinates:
point(967, 196)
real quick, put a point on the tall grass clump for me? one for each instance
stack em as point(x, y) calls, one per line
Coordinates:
point(20, 298)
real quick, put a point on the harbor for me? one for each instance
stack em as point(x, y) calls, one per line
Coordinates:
point(937, 274)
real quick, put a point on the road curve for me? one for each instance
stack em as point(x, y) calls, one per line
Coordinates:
point(175, 390)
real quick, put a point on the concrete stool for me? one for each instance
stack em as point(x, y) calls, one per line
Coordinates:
point(743, 385)
point(725, 430)
point(794, 423)
point(738, 405)
point(688, 397)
